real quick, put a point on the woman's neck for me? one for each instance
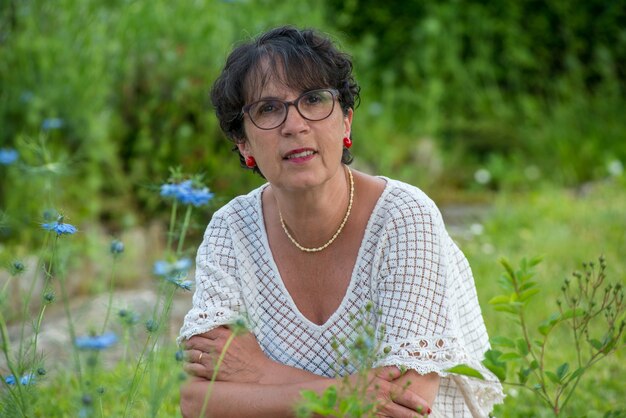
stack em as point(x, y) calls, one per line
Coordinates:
point(313, 215)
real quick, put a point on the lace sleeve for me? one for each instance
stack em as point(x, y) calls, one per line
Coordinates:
point(217, 298)
point(412, 294)
point(429, 308)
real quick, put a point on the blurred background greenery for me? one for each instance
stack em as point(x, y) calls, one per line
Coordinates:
point(458, 96)
point(516, 106)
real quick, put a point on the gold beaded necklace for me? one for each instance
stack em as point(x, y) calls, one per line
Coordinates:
point(334, 237)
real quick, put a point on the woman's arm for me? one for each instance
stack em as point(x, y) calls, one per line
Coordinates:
point(243, 361)
point(241, 400)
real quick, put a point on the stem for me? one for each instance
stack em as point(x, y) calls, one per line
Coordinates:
point(19, 400)
point(134, 382)
point(37, 328)
point(70, 325)
point(183, 231)
point(111, 285)
point(138, 377)
point(170, 233)
point(31, 290)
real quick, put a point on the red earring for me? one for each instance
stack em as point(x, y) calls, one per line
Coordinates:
point(250, 162)
point(347, 142)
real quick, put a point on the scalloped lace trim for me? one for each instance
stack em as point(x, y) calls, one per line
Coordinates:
point(436, 355)
point(198, 322)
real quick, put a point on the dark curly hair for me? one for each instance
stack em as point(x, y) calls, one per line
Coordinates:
point(300, 59)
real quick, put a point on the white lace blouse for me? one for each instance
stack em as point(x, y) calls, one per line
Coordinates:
point(407, 266)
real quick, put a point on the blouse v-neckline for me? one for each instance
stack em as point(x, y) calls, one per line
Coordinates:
point(276, 276)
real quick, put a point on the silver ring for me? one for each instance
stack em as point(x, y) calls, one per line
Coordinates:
point(201, 354)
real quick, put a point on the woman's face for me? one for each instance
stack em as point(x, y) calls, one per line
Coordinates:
point(299, 153)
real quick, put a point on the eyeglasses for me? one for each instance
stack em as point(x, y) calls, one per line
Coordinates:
point(312, 105)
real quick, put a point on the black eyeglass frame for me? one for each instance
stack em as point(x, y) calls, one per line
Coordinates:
point(286, 103)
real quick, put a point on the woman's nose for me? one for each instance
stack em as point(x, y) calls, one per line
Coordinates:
point(294, 122)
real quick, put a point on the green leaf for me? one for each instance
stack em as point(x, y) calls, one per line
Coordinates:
point(577, 372)
point(465, 370)
point(330, 397)
point(506, 308)
point(553, 377)
point(570, 313)
point(502, 341)
point(544, 329)
point(523, 374)
point(510, 356)
point(562, 370)
point(527, 294)
point(522, 347)
point(527, 285)
point(535, 261)
point(507, 266)
point(533, 365)
point(596, 344)
point(496, 300)
point(492, 363)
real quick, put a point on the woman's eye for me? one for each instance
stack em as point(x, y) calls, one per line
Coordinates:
point(313, 98)
point(267, 107)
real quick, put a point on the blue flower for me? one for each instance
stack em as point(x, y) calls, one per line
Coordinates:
point(8, 156)
point(186, 194)
point(186, 284)
point(27, 379)
point(170, 270)
point(175, 272)
point(96, 342)
point(117, 247)
point(52, 123)
point(60, 227)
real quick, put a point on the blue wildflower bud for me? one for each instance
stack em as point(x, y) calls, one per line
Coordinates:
point(100, 390)
point(41, 371)
point(86, 399)
point(49, 297)
point(17, 267)
point(117, 247)
point(151, 325)
point(179, 355)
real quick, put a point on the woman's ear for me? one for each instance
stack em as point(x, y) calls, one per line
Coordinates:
point(347, 121)
point(243, 148)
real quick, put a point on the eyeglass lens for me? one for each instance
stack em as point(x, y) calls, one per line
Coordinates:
point(313, 105)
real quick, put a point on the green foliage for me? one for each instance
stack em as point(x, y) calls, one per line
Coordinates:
point(350, 397)
point(591, 309)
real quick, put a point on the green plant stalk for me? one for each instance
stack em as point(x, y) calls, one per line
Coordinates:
point(72, 330)
point(134, 382)
point(170, 233)
point(37, 328)
point(111, 288)
point(183, 231)
point(539, 375)
point(31, 290)
point(19, 398)
point(218, 364)
point(138, 374)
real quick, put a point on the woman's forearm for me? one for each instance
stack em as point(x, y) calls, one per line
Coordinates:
point(242, 400)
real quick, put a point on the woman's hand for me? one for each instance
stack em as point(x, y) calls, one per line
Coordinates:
point(393, 399)
point(243, 360)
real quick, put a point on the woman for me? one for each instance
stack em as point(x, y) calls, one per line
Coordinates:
point(301, 255)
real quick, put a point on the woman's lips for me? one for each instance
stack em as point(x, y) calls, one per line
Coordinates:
point(300, 155)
